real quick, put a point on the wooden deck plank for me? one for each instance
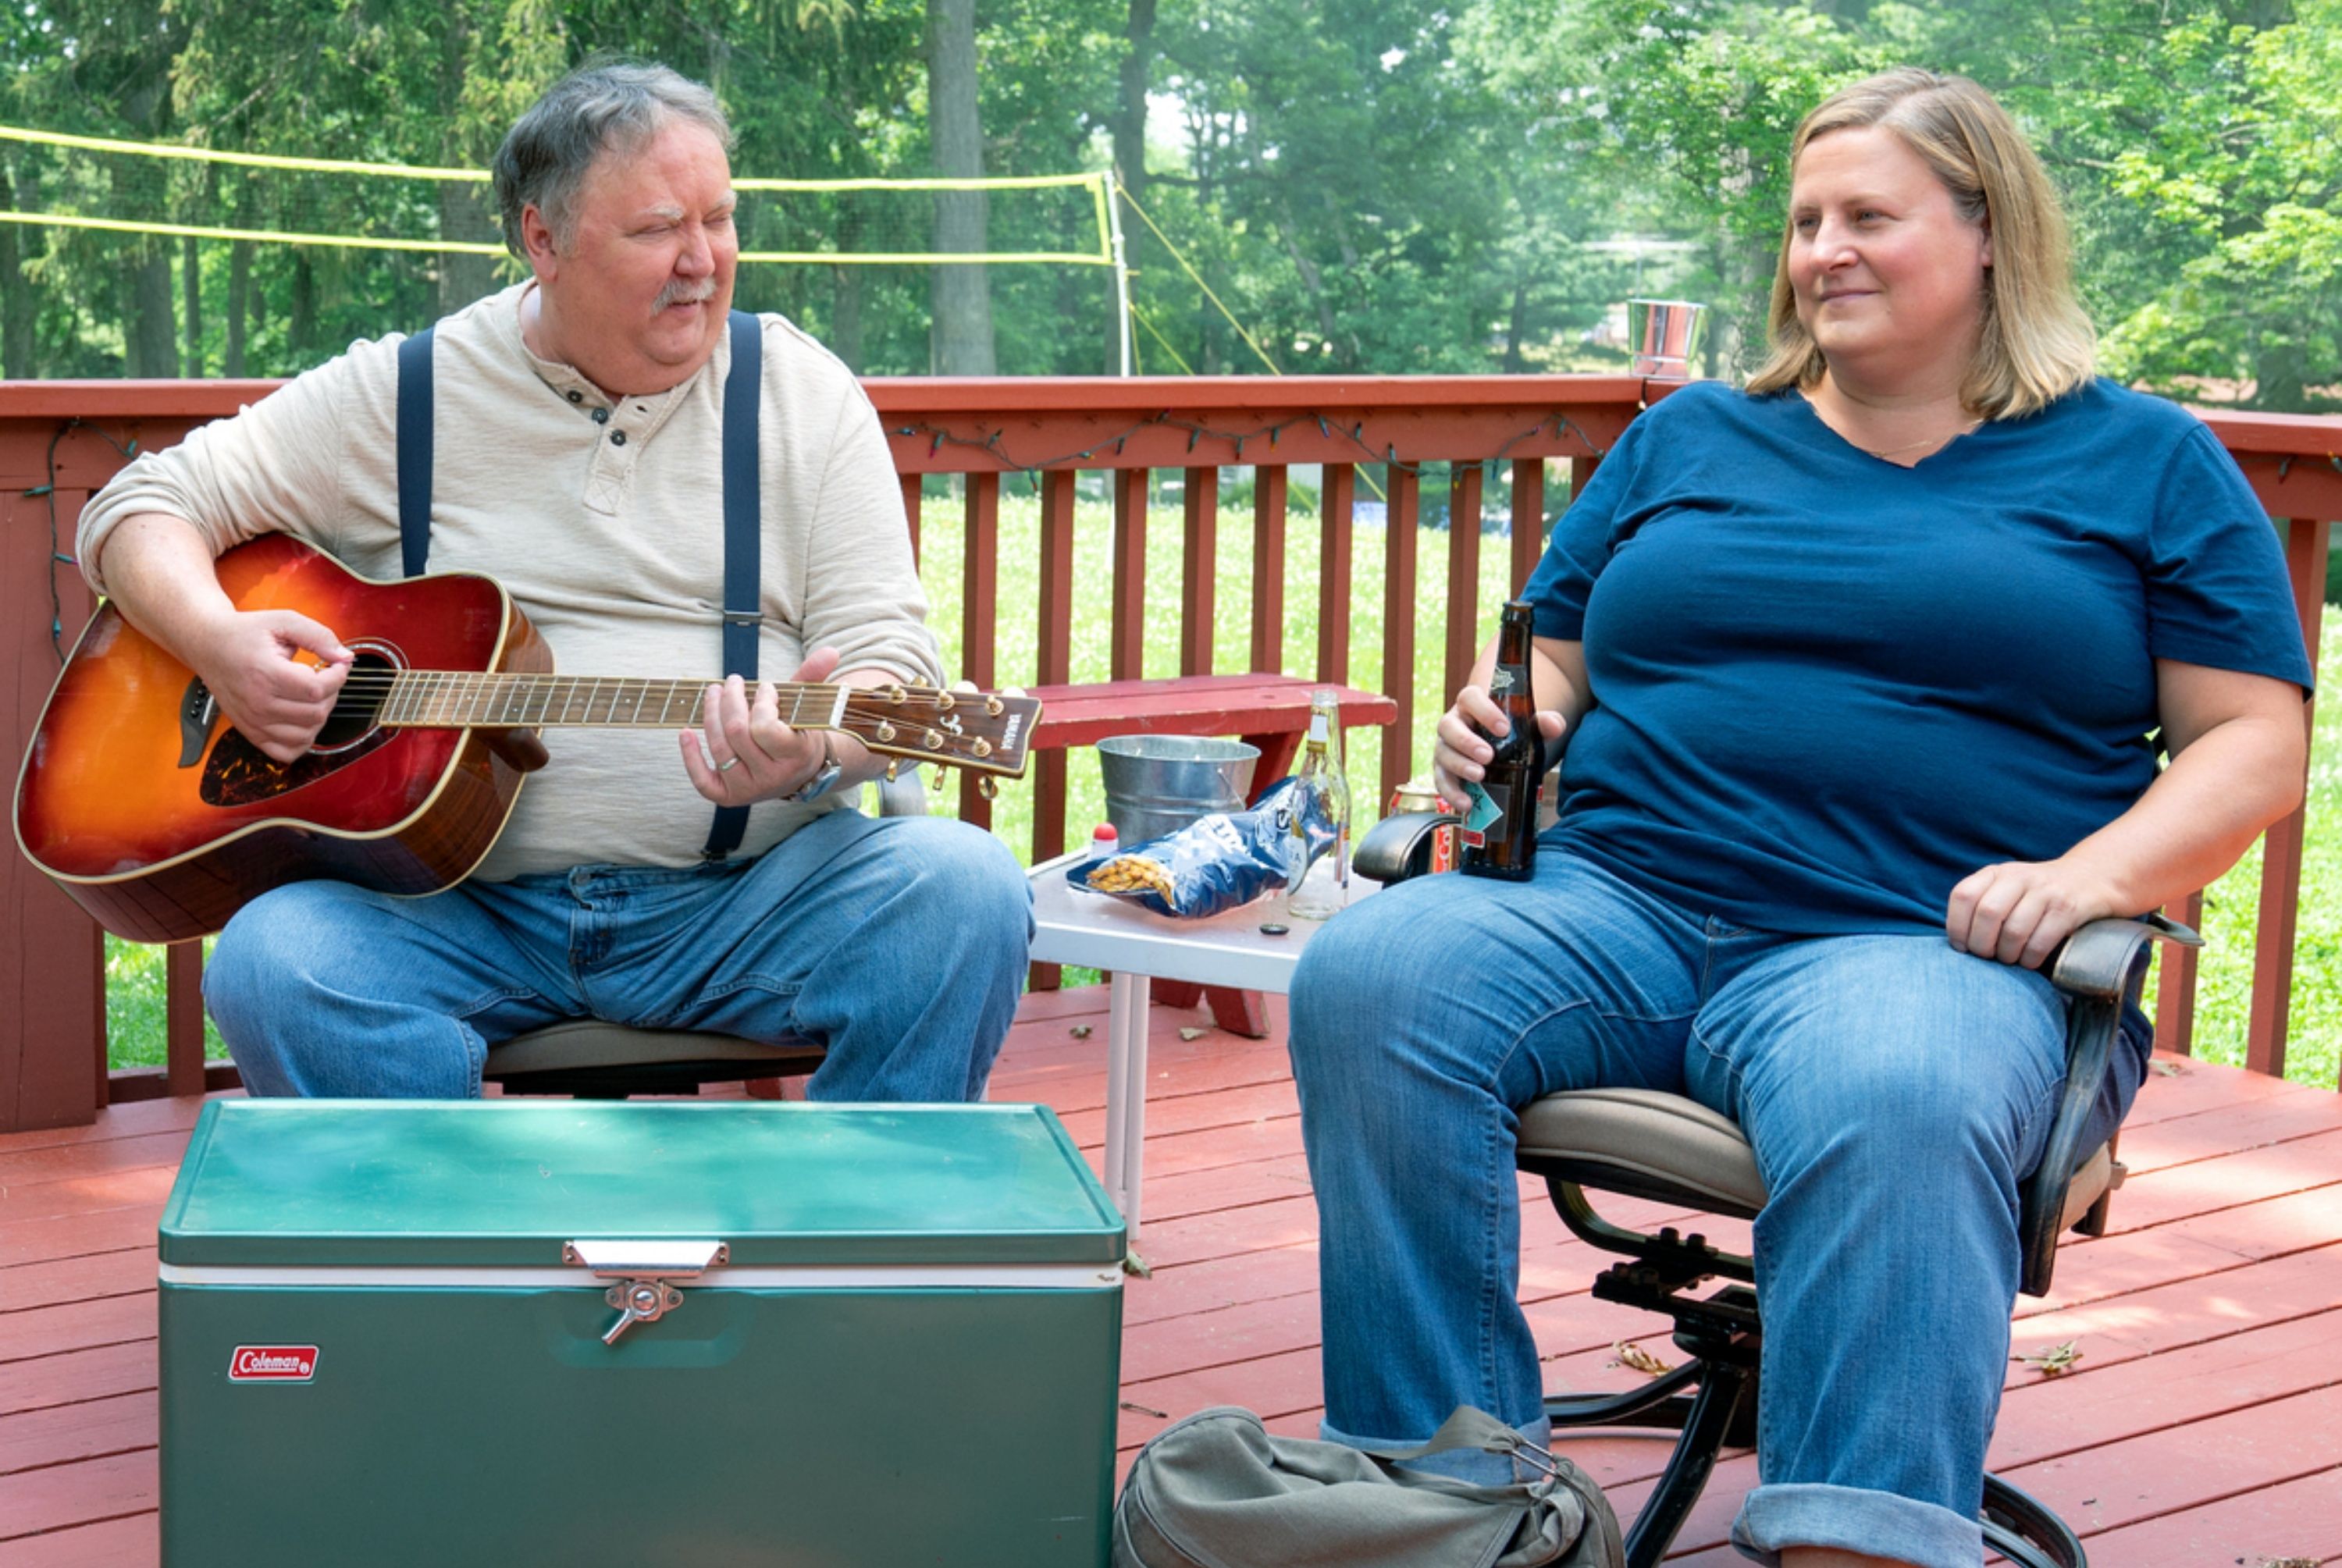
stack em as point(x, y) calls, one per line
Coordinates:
point(82, 1493)
point(132, 1543)
point(2207, 1320)
point(2296, 1521)
point(61, 1432)
point(78, 1375)
point(123, 1272)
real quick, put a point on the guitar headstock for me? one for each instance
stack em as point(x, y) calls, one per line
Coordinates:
point(985, 732)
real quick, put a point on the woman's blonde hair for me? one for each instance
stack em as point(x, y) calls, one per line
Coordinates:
point(2037, 345)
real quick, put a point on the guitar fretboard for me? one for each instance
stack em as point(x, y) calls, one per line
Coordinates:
point(451, 699)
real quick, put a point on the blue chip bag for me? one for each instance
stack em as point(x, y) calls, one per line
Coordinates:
point(1218, 862)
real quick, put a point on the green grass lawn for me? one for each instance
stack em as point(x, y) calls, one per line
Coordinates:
point(134, 975)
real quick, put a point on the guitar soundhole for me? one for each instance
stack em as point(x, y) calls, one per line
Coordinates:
point(238, 773)
point(360, 702)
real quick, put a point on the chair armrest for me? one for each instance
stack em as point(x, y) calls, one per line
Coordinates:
point(2098, 967)
point(1398, 846)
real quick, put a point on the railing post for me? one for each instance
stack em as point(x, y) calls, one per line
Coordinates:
point(2175, 986)
point(1127, 656)
point(1268, 505)
point(1462, 576)
point(53, 1025)
point(1335, 499)
point(2306, 549)
point(1528, 518)
point(1054, 666)
point(1406, 486)
point(1199, 570)
point(183, 1018)
point(980, 616)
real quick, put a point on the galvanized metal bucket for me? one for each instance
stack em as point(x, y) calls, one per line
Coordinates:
point(1157, 785)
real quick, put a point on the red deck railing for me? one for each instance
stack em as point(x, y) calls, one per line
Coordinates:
point(59, 441)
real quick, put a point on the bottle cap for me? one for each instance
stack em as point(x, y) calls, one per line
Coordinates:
point(1104, 833)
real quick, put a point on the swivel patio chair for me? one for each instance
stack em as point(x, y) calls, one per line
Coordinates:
point(591, 1060)
point(1669, 1149)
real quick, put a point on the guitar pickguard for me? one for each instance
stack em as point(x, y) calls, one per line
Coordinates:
point(238, 773)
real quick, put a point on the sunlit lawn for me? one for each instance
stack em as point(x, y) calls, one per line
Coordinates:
point(135, 984)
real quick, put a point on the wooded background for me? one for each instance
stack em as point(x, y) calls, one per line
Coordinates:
point(1369, 185)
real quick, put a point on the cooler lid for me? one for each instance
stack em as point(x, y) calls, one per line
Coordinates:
point(438, 1184)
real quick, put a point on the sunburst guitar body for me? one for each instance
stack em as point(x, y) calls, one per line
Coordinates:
point(159, 818)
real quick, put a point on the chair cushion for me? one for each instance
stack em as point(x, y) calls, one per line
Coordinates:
point(1644, 1142)
point(1653, 1144)
point(588, 1043)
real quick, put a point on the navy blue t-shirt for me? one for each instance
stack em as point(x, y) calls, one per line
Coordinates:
point(1827, 688)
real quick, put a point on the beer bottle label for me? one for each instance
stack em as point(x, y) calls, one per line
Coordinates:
point(1487, 810)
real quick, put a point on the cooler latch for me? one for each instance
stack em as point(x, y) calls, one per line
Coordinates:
point(642, 1270)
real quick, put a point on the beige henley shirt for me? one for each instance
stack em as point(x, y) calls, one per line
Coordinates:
point(607, 531)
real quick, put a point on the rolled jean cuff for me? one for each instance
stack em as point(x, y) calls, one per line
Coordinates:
point(1474, 1465)
point(1855, 1519)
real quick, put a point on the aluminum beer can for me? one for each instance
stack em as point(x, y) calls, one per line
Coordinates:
point(1417, 795)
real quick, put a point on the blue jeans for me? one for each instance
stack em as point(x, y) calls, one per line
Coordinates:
point(899, 943)
point(1895, 1091)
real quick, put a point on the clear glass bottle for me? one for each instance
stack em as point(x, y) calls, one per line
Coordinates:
point(1321, 888)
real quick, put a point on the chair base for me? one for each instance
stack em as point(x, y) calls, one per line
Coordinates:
point(1711, 1399)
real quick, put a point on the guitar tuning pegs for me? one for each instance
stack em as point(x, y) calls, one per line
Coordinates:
point(993, 706)
point(980, 747)
point(936, 783)
point(988, 787)
point(932, 740)
point(894, 765)
point(945, 702)
point(891, 692)
point(884, 733)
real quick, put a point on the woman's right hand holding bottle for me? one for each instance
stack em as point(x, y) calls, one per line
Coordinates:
point(1461, 749)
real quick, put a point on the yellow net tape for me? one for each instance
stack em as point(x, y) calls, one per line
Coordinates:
point(1097, 252)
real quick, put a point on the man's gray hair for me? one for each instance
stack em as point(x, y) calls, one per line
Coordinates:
point(616, 104)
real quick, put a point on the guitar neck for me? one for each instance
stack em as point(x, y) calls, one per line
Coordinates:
point(986, 731)
point(456, 699)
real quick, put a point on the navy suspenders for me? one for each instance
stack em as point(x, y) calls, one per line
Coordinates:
point(743, 508)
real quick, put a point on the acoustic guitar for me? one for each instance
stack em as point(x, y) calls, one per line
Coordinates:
point(162, 820)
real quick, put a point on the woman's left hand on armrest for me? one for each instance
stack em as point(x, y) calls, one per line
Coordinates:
point(2239, 752)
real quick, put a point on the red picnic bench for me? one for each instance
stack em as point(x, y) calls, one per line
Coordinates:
point(1269, 713)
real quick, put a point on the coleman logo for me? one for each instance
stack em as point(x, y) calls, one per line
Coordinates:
point(272, 1363)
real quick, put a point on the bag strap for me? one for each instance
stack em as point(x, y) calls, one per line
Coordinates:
point(742, 534)
point(415, 452)
point(1466, 1427)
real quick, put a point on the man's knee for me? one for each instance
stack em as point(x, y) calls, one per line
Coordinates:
point(266, 950)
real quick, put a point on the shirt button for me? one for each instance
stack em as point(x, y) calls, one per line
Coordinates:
point(618, 438)
point(576, 398)
point(601, 417)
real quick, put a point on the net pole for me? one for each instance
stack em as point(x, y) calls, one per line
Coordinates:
point(1122, 327)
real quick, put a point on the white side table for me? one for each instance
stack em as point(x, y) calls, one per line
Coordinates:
point(1136, 947)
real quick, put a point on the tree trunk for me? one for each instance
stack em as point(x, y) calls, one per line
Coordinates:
point(239, 306)
point(465, 217)
point(191, 280)
point(301, 320)
point(151, 330)
point(18, 304)
point(963, 293)
point(1130, 116)
point(845, 315)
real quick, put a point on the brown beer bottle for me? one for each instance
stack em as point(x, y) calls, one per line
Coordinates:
point(1503, 844)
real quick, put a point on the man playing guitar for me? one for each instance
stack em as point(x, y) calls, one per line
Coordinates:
point(575, 443)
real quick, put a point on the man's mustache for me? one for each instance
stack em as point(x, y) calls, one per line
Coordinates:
point(680, 291)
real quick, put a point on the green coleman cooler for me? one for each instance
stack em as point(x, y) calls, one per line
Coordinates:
point(608, 1334)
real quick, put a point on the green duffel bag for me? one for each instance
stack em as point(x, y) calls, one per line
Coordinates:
point(1217, 1491)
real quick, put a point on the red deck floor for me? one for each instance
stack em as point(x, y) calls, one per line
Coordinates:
point(2201, 1428)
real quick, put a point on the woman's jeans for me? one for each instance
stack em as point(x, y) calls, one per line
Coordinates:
point(1895, 1091)
point(898, 943)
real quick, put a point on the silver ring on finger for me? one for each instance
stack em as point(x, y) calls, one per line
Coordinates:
point(728, 764)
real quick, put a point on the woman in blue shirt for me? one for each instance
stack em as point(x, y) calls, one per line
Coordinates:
point(1858, 669)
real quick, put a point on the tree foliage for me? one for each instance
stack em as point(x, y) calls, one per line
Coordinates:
point(1358, 186)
